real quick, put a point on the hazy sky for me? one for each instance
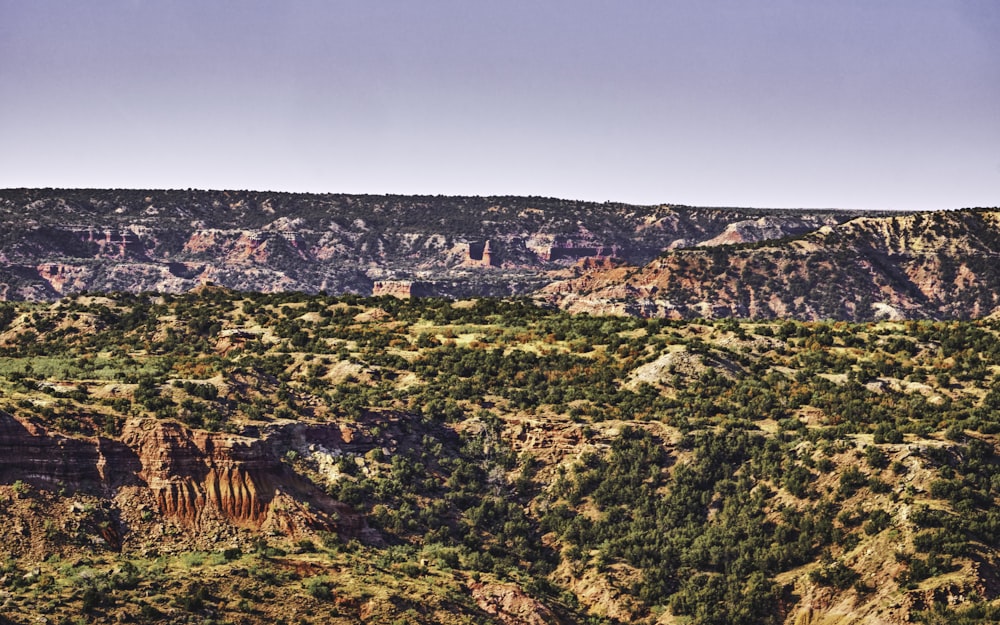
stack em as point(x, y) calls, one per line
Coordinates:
point(772, 103)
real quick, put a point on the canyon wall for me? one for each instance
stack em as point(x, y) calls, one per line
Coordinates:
point(194, 478)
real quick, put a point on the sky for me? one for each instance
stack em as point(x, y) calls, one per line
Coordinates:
point(867, 104)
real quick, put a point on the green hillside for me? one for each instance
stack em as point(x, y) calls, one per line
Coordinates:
point(342, 459)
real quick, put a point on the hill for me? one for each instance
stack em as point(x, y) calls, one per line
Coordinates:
point(57, 242)
point(941, 265)
point(255, 458)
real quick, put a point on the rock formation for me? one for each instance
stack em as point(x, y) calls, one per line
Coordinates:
point(33, 454)
point(59, 242)
point(936, 265)
point(193, 477)
point(402, 289)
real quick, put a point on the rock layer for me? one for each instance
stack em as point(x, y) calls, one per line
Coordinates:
point(940, 265)
point(60, 242)
point(194, 477)
point(32, 454)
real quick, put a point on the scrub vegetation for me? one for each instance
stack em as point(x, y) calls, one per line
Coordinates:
point(596, 469)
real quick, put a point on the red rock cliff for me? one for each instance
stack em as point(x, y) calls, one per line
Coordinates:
point(194, 477)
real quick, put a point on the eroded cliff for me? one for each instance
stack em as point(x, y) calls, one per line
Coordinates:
point(937, 265)
point(59, 242)
point(193, 478)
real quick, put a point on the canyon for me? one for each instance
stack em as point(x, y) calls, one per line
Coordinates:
point(247, 457)
point(662, 261)
point(59, 242)
point(940, 265)
point(251, 407)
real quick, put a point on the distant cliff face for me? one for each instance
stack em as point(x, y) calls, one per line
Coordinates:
point(932, 265)
point(657, 261)
point(57, 242)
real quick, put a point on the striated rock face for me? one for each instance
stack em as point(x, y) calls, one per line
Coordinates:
point(34, 455)
point(936, 265)
point(194, 477)
point(195, 473)
point(172, 241)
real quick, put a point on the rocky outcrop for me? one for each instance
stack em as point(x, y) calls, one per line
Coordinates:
point(63, 278)
point(511, 605)
point(34, 455)
point(559, 247)
point(936, 265)
point(767, 228)
point(172, 241)
point(401, 289)
point(480, 254)
point(193, 477)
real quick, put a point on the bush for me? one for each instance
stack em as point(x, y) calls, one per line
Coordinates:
point(851, 480)
point(835, 574)
point(875, 457)
point(877, 521)
point(193, 599)
point(319, 588)
point(411, 569)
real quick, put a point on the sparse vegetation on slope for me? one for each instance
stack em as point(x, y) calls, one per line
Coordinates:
point(490, 461)
point(940, 265)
